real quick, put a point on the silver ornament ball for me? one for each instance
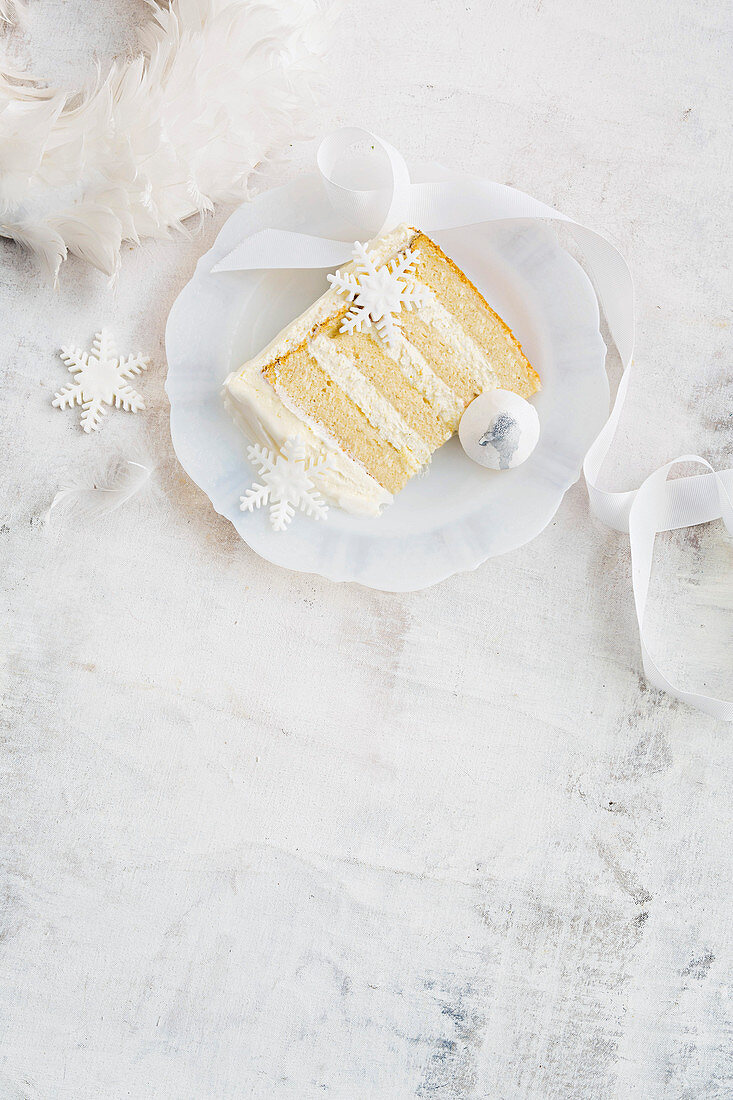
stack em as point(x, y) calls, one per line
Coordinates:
point(499, 429)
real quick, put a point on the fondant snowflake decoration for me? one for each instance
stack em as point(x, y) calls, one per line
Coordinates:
point(288, 483)
point(378, 295)
point(100, 379)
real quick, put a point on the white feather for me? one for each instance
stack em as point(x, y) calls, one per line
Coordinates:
point(12, 12)
point(82, 502)
point(47, 244)
point(218, 87)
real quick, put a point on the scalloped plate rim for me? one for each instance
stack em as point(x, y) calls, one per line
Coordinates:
point(330, 570)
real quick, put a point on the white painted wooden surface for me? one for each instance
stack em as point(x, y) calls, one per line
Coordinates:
point(267, 837)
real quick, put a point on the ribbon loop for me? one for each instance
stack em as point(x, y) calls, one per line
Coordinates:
point(651, 513)
point(376, 208)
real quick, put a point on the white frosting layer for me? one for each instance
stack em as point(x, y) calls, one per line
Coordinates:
point(378, 410)
point(461, 343)
point(421, 375)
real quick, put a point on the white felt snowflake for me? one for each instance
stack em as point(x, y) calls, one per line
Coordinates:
point(288, 483)
point(100, 379)
point(378, 295)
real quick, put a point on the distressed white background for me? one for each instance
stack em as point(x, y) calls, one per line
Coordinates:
point(267, 837)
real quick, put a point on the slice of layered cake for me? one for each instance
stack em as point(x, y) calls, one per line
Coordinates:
point(379, 370)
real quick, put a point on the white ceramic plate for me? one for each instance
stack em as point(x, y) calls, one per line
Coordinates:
point(456, 515)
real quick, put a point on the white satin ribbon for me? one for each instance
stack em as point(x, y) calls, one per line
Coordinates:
point(653, 510)
point(659, 504)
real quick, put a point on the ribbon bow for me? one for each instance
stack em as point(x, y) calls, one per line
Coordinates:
point(658, 504)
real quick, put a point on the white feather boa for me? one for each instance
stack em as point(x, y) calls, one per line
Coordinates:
point(218, 86)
